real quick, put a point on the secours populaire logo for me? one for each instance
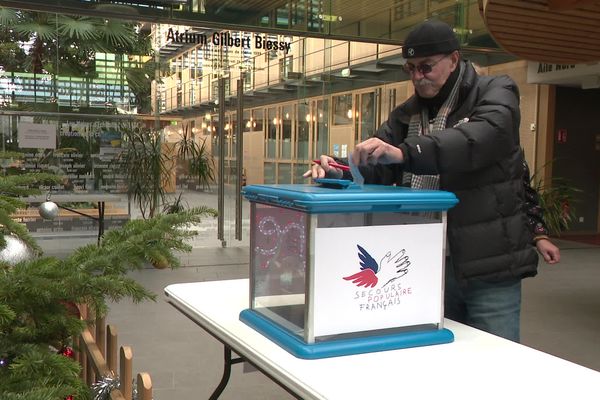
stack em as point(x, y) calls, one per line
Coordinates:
point(391, 267)
point(381, 279)
point(376, 276)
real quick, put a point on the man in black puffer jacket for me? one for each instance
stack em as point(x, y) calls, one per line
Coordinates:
point(460, 133)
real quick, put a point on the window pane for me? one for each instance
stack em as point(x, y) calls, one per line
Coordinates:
point(214, 130)
point(231, 132)
point(227, 133)
point(286, 132)
point(271, 150)
point(356, 122)
point(257, 120)
point(269, 173)
point(285, 173)
point(342, 109)
point(247, 127)
point(299, 170)
point(285, 66)
point(322, 134)
point(303, 118)
point(367, 115)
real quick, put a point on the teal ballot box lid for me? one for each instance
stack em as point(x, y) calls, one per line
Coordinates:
point(334, 196)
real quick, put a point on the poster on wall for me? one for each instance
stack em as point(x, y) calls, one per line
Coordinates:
point(36, 136)
point(377, 277)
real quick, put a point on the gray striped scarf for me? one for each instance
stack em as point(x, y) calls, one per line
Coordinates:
point(420, 125)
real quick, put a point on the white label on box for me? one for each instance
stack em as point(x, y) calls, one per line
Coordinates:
point(377, 277)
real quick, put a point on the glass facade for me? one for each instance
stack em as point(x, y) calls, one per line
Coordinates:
point(306, 88)
point(106, 87)
point(384, 21)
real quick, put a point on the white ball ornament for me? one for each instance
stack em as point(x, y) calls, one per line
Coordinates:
point(48, 210)
point(15, 251)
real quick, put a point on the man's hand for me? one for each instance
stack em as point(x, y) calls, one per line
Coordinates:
point(548, 250)
point(324, 170)
point(376, 151)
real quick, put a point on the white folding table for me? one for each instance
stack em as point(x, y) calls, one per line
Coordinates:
point(477, 365)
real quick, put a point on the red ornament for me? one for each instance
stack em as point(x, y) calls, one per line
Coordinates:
point(69, 397)
point(67, 352)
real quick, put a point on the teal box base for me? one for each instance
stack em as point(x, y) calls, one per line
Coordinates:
point(342, 347)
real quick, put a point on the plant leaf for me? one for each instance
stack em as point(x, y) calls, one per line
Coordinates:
point(81, 28)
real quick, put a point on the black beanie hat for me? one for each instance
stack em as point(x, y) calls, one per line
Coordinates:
point(429, 38)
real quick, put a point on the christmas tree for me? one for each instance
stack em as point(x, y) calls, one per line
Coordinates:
point(37, 295)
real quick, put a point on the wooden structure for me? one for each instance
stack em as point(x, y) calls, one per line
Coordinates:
point(553, 31)
point(96, 350)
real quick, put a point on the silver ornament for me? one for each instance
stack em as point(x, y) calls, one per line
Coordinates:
point(15, 251)
point(48, 210)
point(102, 388)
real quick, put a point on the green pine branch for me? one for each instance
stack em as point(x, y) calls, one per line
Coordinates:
point(13, 187)
point(35, 296)
point(37, 367)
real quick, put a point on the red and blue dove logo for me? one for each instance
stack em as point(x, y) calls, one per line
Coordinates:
point(390, 268)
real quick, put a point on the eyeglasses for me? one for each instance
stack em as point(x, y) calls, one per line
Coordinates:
point(422, 68)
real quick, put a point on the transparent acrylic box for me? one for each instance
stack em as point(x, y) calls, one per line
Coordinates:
point(336, 271)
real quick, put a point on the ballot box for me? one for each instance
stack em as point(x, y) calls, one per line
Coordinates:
point(339, 269)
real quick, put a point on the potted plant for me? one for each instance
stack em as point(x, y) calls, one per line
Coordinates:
point(556, 197)
point(147, 168)
point(196, 159)
point(149, 164)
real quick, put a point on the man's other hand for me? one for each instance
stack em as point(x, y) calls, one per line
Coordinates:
point(548, 250)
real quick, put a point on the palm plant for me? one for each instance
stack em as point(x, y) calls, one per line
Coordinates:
point(146, 168)
point(200, 163)
point(68, 44)
point(80, 37)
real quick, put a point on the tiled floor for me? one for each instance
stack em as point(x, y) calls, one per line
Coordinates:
point(559, 316)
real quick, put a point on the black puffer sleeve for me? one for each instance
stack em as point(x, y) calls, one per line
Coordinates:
point(488, 133)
